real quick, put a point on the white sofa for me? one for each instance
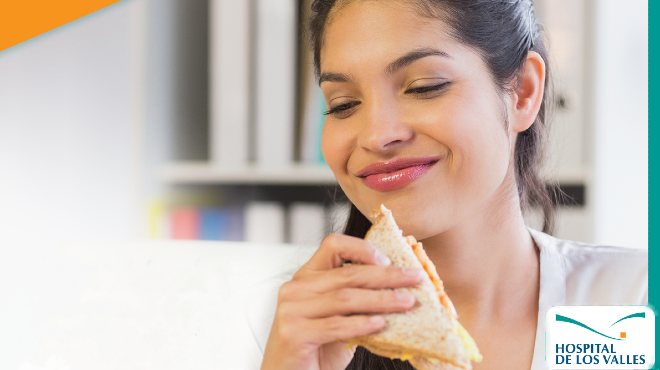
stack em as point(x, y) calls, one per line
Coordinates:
point(139, 305)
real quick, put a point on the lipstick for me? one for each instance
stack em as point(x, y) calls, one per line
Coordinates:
point(396, 174)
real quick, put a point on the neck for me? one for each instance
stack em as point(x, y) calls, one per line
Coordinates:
point(489, 263)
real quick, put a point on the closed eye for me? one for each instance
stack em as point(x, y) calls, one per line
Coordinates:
point(427, 90)
point(342, 110)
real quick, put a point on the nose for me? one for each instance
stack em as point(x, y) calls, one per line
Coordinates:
point(384, 129)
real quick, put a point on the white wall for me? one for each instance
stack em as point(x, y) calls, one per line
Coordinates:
point(620, 196)
point(69, 131)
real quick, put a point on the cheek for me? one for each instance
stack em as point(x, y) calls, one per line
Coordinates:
point(336, 148)
point(471, 126)
point(484, 154)
point(472, 132)
point(482, 148)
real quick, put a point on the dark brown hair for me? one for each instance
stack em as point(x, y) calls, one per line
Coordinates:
point(503, 32)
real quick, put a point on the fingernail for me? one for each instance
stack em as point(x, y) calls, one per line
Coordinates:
point(403, 296)
point(416, 273)
point(382, 259)
point(377, 320)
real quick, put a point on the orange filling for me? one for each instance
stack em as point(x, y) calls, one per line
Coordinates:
point(430, 270)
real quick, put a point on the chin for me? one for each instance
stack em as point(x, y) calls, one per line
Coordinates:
point(417, 219)
point(421, 229)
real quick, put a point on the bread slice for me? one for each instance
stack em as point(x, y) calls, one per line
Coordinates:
point(428, 335)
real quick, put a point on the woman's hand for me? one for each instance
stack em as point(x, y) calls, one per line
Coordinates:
point(327, 302)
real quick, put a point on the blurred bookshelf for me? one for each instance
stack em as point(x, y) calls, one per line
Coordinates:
point(207, 173)
point(230, 160)
point(204, 173)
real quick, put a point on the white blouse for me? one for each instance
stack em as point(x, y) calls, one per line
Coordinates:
point(572, 273)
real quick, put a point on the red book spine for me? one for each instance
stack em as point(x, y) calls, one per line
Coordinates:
point(184, 223)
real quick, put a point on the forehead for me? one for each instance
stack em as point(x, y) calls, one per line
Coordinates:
point(367, 31)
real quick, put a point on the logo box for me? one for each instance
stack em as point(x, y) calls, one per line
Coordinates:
point(600, 337)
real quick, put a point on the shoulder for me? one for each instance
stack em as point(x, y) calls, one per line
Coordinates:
point(597, 274)
point(578, 255)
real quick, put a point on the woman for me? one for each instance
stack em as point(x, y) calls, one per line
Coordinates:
point(436, 108)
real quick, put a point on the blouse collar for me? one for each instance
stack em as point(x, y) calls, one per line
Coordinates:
point(552, 289)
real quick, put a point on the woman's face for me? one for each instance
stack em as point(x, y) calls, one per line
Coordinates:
point(401, 89)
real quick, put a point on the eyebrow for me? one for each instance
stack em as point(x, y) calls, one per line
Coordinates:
point(391, 68)
point(412, 56)
point(333, 77)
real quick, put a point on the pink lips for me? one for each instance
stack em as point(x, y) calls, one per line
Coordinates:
point(393, 175)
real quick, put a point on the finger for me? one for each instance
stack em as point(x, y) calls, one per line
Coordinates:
point(335, 249)
point(350, 301)
point(358, 276)
point(337, 328)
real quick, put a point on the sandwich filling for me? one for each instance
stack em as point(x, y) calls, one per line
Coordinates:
point(429, 267)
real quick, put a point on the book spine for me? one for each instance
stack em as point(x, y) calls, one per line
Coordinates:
point(306, 223)
point(212, 224)
point(229, 53)
point(234, 230)
point(275, 81)
point(184, 223)
point(157, 219)
point(264, 222)
point(312, 122)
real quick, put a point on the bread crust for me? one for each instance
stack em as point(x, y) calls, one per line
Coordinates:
point(425, 334)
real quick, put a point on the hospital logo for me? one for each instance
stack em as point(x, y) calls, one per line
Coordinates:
point(600, 337)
